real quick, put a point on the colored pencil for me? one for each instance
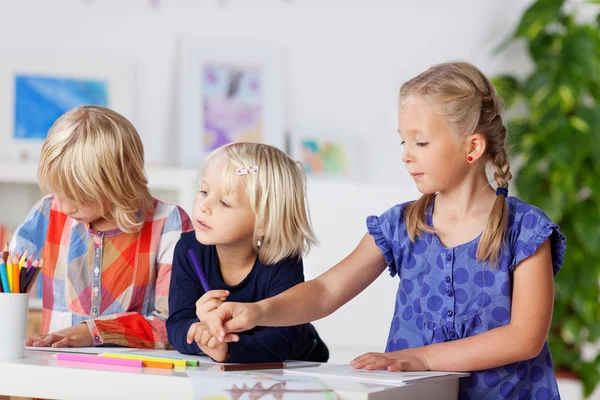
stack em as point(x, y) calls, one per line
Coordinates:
point(16, 273)
point(30, 272)
point(9, 274)
point(199, 272)
point(155, 364)
point(98, 360)
point(22, 277)
point(23, 259)
point(4, 276)
point(31, 281)
point(249, 366)
point(176, 362)
point(5, 252)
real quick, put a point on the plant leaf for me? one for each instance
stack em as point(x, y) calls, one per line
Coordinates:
point(590, 376)
point(537, 16)
point(507, 87)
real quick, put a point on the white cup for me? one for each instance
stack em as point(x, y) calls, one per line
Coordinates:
point(13, 314)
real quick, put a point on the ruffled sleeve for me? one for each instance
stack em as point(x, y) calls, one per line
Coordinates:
point(387, 229)
point(531, 229)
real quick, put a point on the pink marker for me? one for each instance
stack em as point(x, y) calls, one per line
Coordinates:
point(98, 360)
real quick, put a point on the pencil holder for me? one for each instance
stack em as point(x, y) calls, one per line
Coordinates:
point(13, 314)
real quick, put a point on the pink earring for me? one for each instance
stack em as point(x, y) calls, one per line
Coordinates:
point(469, 158)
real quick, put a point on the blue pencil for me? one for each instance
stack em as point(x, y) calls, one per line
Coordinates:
point(4, 276)
point(199, 272)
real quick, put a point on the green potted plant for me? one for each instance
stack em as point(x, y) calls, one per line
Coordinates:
point(555, 132)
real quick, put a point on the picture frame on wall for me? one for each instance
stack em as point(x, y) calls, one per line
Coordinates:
point(228, 92)
point(36, 90)
point(328, 157)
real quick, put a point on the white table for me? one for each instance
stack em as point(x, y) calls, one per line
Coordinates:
point(40, 375)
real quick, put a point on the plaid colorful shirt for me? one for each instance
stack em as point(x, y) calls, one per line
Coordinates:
point(115, 282)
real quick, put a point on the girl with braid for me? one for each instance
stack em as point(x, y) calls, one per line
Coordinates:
point(476, 266)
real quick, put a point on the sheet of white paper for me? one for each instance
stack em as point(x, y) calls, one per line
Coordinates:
point(254, 385)
point(345, 371)
point(301, 364)
point(82, 350)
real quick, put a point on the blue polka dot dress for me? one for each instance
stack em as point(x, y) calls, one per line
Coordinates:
point(446, 294)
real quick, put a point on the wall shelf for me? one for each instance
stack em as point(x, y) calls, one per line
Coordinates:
point(19, 189)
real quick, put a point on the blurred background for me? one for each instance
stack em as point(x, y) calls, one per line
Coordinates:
point(320, 79)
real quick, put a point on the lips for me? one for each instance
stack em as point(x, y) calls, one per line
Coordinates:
point(202, 225)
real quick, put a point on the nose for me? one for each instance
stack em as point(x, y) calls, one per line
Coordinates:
point(204, 206)
point(204, 209)
point(406, 156)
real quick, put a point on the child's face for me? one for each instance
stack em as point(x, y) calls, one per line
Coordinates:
point(80, 213)
point(432, 154)
point(221, 218)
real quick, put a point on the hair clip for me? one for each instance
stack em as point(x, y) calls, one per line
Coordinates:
point(486, 99)
point(248, 170)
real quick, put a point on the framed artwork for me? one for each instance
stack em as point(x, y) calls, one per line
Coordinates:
point(36, 90)
point(228, 92)
point(328, 157)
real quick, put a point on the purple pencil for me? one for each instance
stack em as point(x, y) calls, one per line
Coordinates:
point(29, 273)
point(199, 272)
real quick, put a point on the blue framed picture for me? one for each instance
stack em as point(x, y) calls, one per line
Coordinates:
point(36, 89)
point(40, 100)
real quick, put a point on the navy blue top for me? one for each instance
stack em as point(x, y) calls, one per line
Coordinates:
point(257, 345)
point(445, 294)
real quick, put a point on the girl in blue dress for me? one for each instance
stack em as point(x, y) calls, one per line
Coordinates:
point(476, 266)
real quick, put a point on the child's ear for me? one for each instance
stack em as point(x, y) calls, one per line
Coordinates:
point(476, 145)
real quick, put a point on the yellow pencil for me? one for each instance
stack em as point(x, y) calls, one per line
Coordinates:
point(125, 356)
point(9, 272)
point(23, 259)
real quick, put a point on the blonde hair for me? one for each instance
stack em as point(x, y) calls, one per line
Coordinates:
point(468, 101)
point(93, 156)
point(277, 195)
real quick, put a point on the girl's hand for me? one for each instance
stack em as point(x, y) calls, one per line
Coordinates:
point(74, 336)
point(402, 360)
point(233, 317)
point(209, 302)
point(200, 333)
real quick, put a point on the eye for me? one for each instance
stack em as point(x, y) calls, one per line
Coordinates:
point(402, 143)
point(422, 144)
point(224, 204)
point(203, 193)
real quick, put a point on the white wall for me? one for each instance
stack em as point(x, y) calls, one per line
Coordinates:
point(345, 58)
point(339, 214)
